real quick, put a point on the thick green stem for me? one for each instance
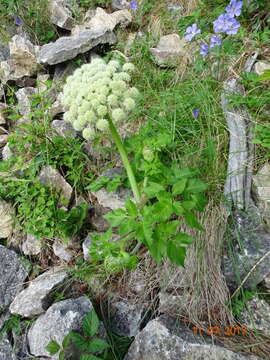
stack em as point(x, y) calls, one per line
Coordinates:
point(127, 165)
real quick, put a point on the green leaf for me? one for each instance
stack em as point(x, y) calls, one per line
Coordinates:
point(89, 357)
point(158, 249)
point(152, 189)
point(167, 229)
point(178, 208)
point(182, 238)
point(176, 254)
point(188, 205)
point(79, 341)
point(192, 221)
point(127, 226)
point(196, 185)
point(53, 347)
point(66, 341)
point(90, 324)
point(98, 345)
point(61, 355)
point(131, 209)
point(179, 187)
point(115, 217)
point(162, 210)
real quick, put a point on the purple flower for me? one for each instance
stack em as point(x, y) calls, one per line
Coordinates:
point(17, 20)
point(215, 41)
point(234, 8)
point(133, 5)
point(191, 31)
point(227, 24)
point(204, 49)
point(195, 113)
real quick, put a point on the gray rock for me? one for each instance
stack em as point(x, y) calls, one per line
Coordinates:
point(22, 61)
point(36, 299)
point(60, 14)
point(6, 351)
point(127, 318)
point(4, 316)
point(261, 182)
point(61, 318)
point(257, 315)
point(170, 50)
point(56, 107)
point(6, 152)
point(62, 251)
point(120, 4)
point(261, 66)
point(3, 107)
point(4, 51)
point(31, 245)
point(165, 339)
point(63, 128)
point(6, 221)
point(41, 82)
point(13, 274)
point(113, 200)
point(51, 176)
point(25, 98)
point(267, 282)
point(3, 140)
point(67, 48)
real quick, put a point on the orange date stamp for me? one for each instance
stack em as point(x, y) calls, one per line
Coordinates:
point(221, 330)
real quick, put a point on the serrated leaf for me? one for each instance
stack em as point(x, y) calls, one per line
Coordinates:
point(157, 249)
point(115, 217)
point(179, 187)
point(152, 189)
point(66, 341)
point(189, 204)
point(131, 209)
point(89, 357)
point(53, 347)
point(167, 229)
point(182, 238)
point(192, 221)
point(78, 340)
point(196, 185)
point(90, 324)
point(176, 254)
point(96, 345)
point(127, 226)
point(178, 208)
point(162, 210)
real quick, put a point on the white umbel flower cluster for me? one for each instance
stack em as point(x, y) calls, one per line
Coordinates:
point(97, 91)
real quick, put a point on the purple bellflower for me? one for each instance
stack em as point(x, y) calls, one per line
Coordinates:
point(234, 8)
point(215, 41)
point(227, 24)
point(191, 31)
point(17, 20)
point(133, 5)
point(204, 49)
point(195, 113)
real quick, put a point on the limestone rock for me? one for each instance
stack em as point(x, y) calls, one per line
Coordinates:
point(22, 60)
point(61, 318)
point(164, 339)
point(68, 47)
point(3, 107)
point(120, 4)
point(6, 152)
point(13, 274)
point(127, 318)
point(31, 245)
point(257, 315)
point(3, 141)
point(63, 128)
point(261, 66)
point(6, 351)
point(113, 200)
point(25, 98)
point(6, 221)
point(261, 182)
point(35, 299)
point(170, 50)
point(41, 82)
point(62, 251)
point(60, 14)
point(4, 51)
point(51, 176)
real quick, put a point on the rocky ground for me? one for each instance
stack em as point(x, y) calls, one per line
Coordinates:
point(218, 305)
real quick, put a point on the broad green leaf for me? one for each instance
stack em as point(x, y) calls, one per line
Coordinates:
point(79, 341)
point(196, 185)
point(176, 254)
point(179, 187)
point(167, 229)
point(182, 238)
point(191, 220)
point(96, 345)
point(147, 232)
point(53, 347)
point(178, 208)
point(115, 217)
point(90, 324)
point(188, 205)
point(131, 209)
point(66, 341)
point(61, 355)
point(200, 201)
point(162, 210)
point(164, 196)
point(152, 189)
point(127, 226)
point(157, 250)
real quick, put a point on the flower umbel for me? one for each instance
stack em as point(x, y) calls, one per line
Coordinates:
point(191, 32)
point(234, 8)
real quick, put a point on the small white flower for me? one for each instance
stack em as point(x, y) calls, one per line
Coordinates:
point(112, 100)
point(118, 114)
point(129, 104)
point(101, 110)
point(102, 125)
point(88, 133)
point(128, 67)
point(132, 92)
point(77, 125)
